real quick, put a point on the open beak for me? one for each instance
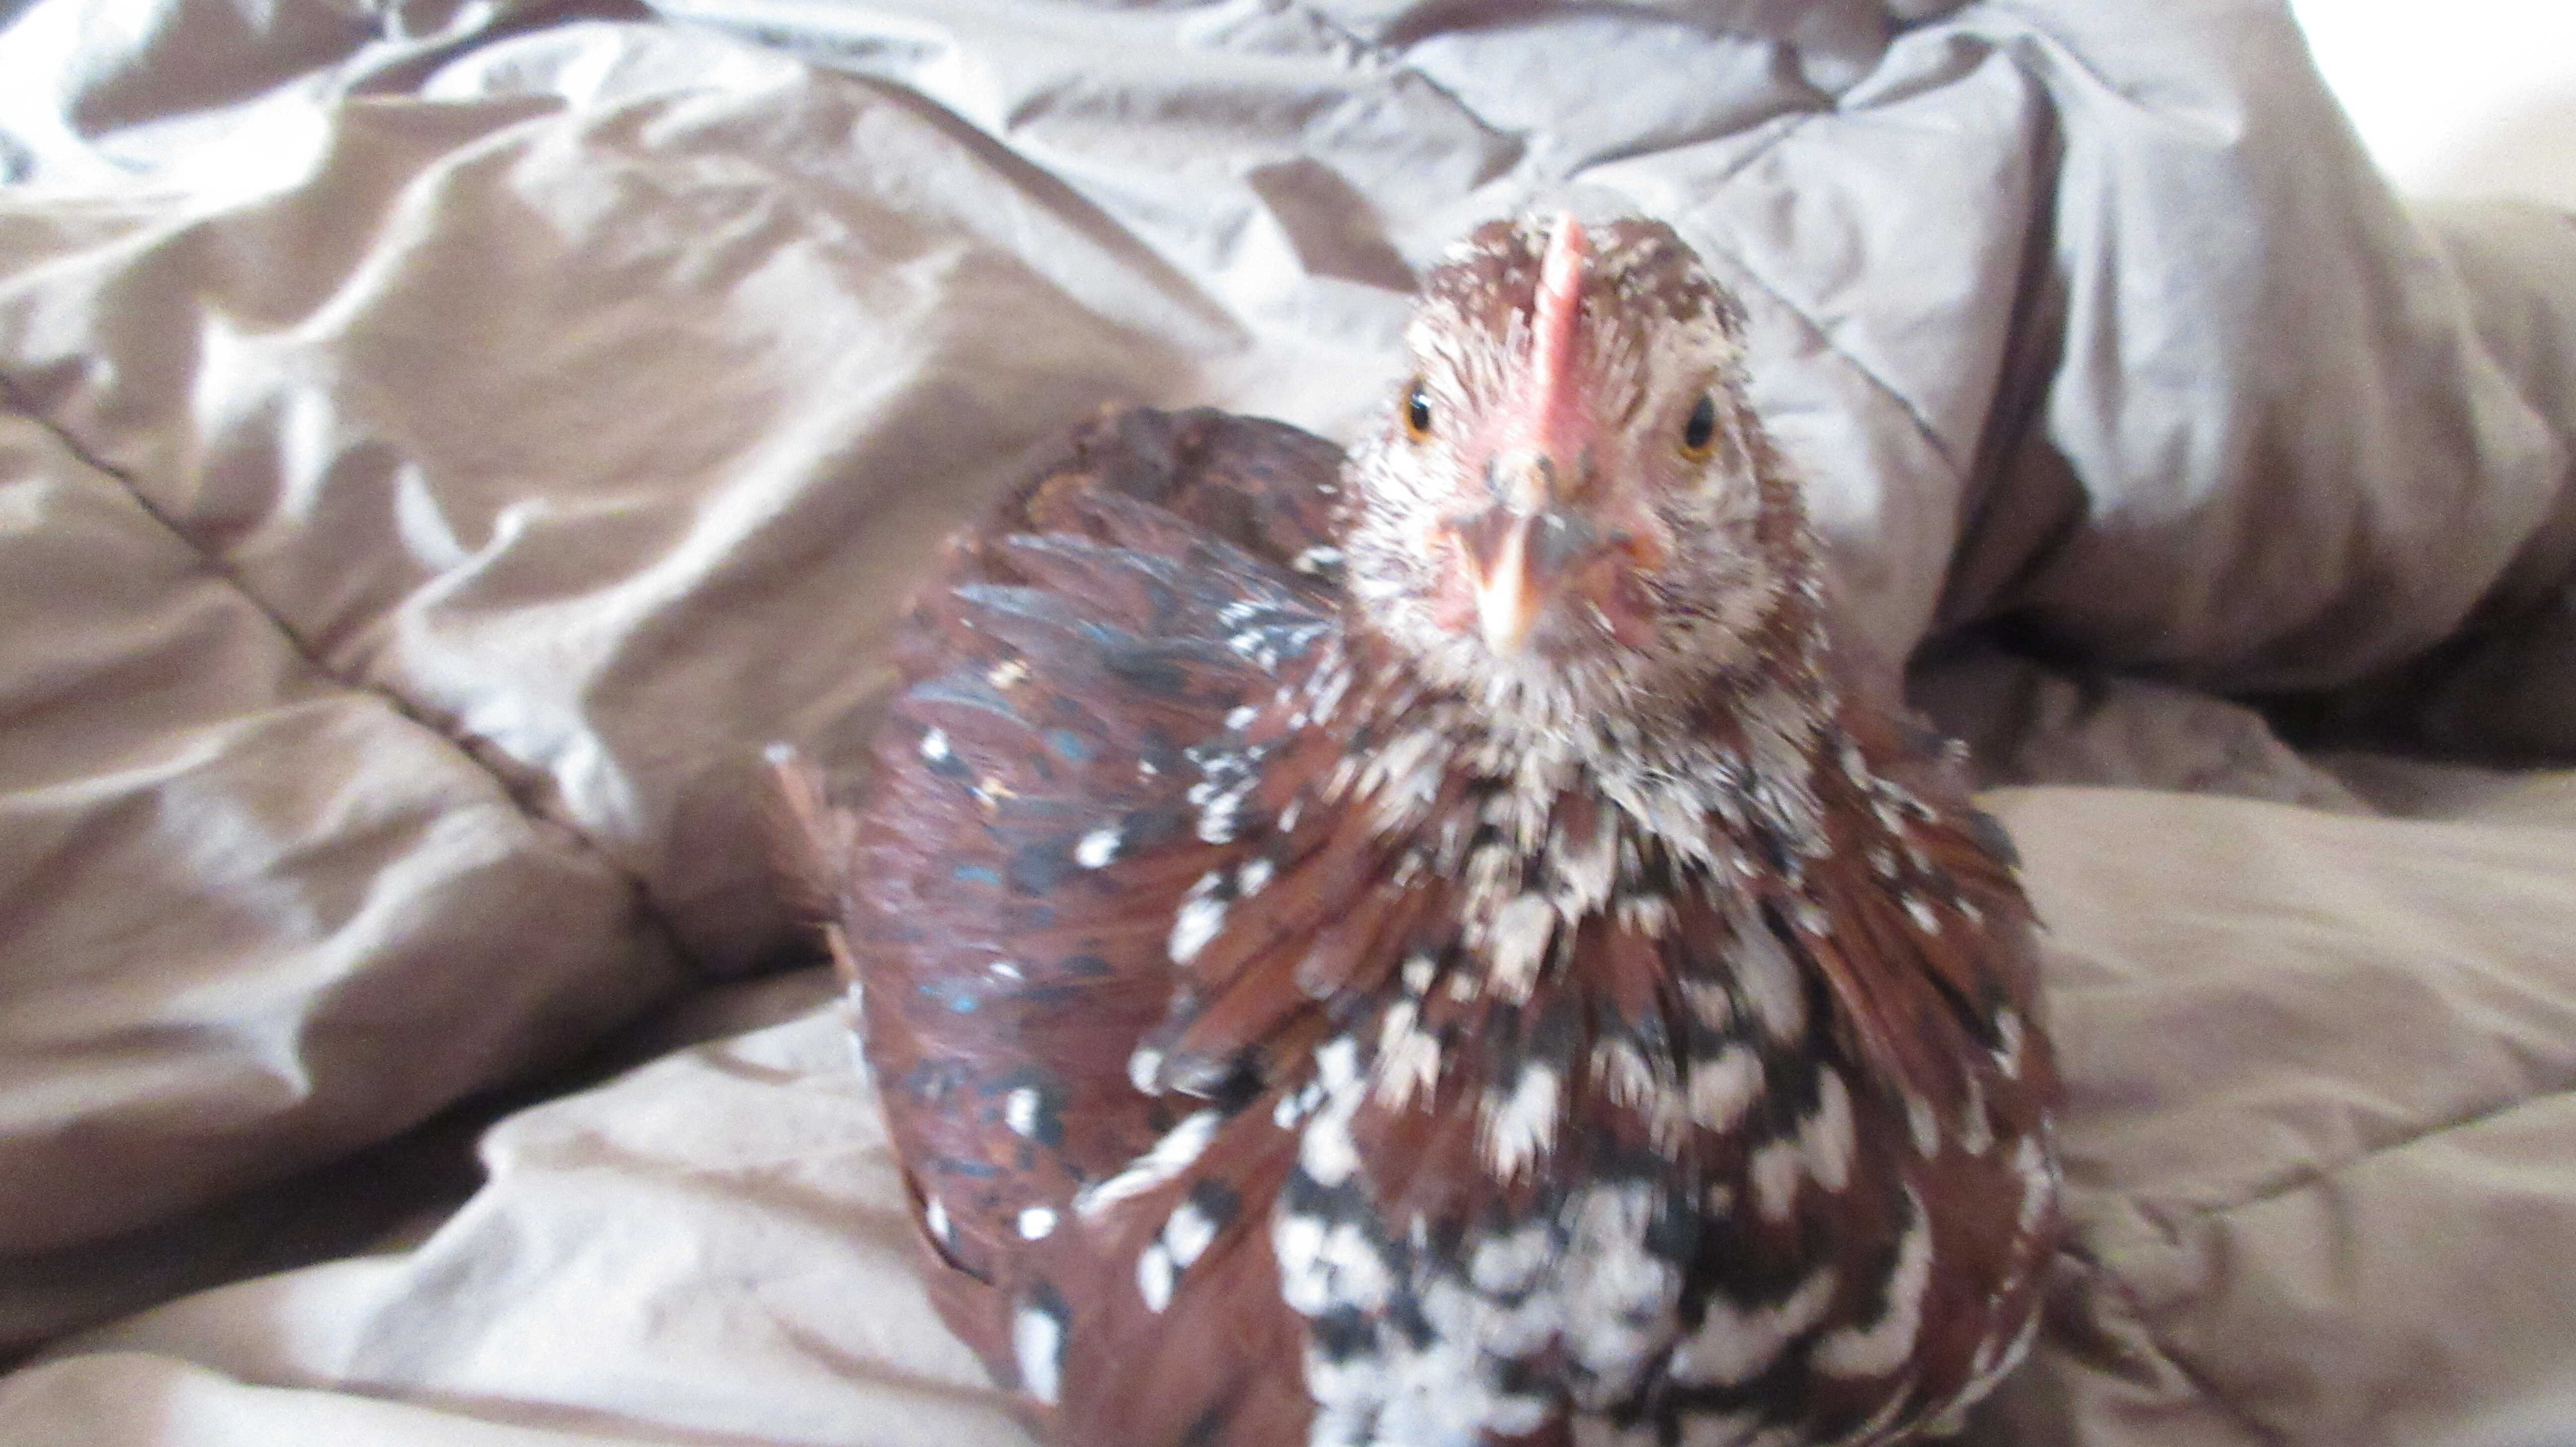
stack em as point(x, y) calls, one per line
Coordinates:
point(1519, 552)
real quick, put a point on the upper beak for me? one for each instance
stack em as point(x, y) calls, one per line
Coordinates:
point(1508, 600)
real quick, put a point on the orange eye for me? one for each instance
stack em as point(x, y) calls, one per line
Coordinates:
point(1417, 412)
point(1699, 431)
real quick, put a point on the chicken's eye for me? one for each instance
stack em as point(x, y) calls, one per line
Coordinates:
point(1417, 412)
point(1699, 432)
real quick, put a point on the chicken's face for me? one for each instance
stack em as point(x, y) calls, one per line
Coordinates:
point(1569, 507)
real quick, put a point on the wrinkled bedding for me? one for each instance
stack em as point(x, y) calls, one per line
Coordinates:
point(445, 441)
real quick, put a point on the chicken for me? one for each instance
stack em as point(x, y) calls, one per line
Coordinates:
point(1435, 949)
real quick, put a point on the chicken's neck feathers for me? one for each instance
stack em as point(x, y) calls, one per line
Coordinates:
point(1687, 779)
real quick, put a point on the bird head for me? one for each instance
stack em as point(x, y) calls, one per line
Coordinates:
point(1569, 504)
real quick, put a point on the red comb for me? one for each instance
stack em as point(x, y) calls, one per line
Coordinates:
point(1552, 323)
point(1560, 297)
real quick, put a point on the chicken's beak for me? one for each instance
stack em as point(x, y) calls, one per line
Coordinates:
point(1518, 551)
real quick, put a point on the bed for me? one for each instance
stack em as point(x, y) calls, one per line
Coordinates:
point(446, 440)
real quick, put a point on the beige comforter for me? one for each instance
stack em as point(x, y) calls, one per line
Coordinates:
point(444, 440)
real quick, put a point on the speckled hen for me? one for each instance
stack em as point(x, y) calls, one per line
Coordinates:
point(1433, 949)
